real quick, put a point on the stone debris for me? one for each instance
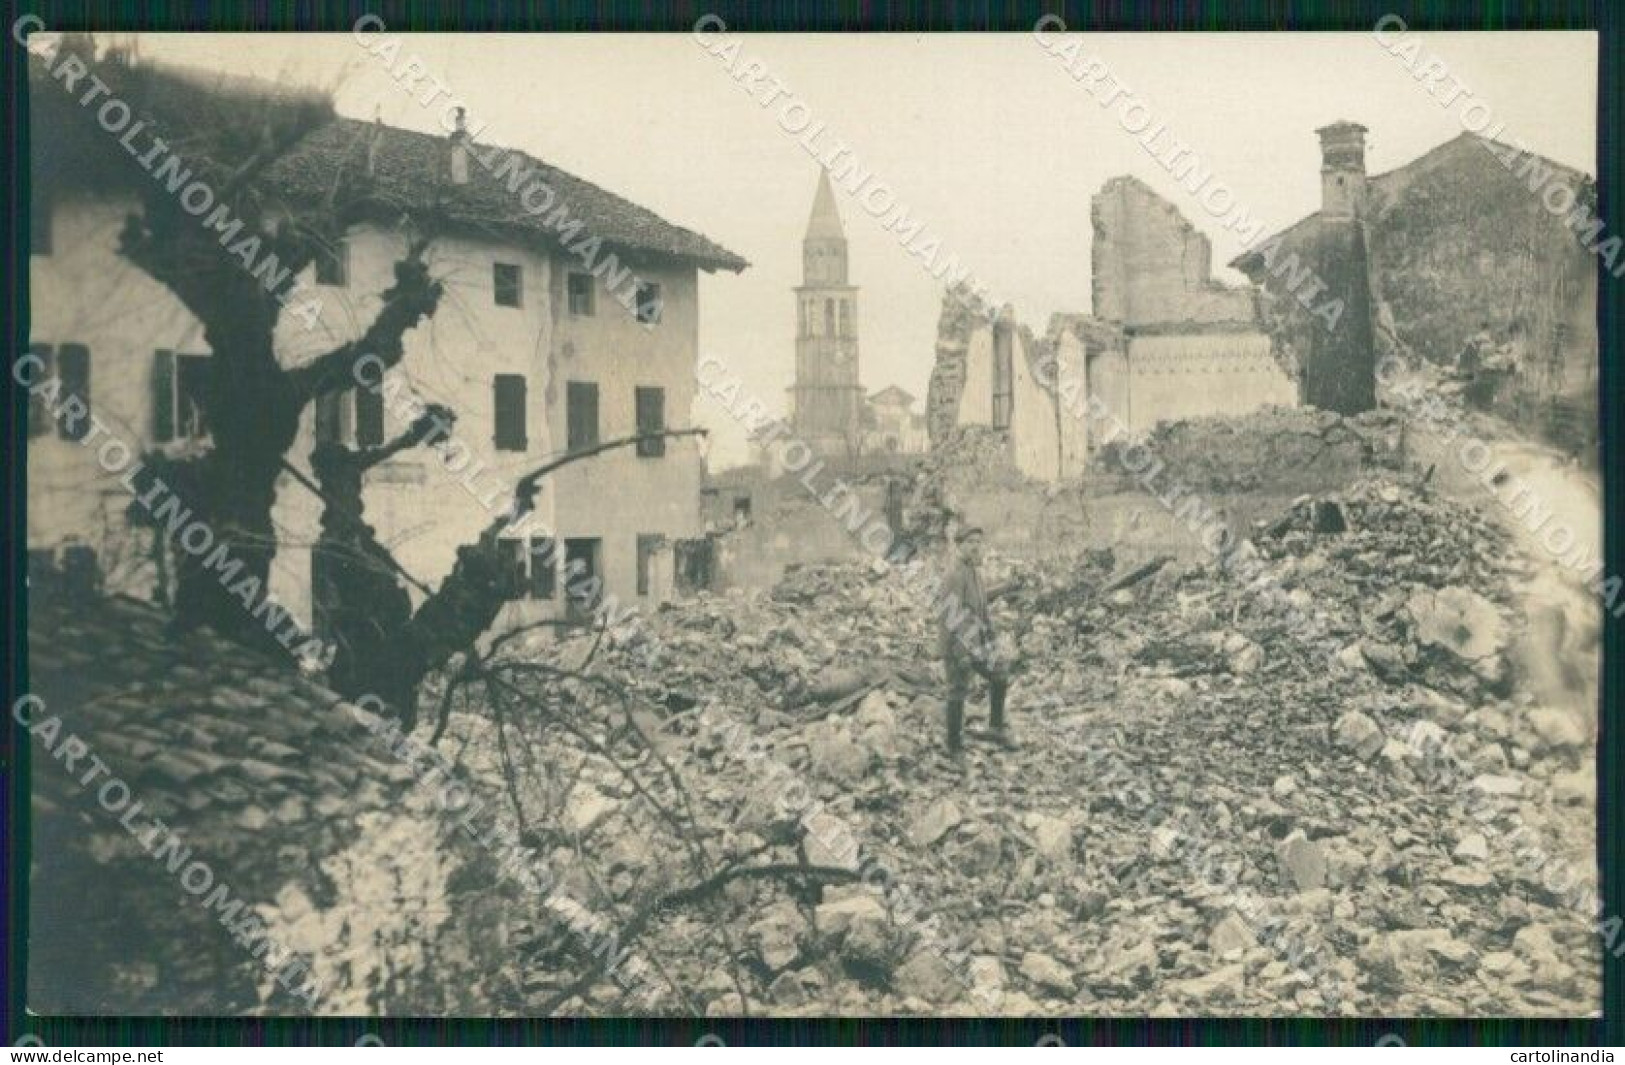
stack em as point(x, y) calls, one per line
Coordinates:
point(1277, 791)
point(1048, 974)
point(1358, 733)
point(1303, 862)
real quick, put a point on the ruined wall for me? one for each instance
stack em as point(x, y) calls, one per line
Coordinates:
point(1194, 346)
point(1302, 450)
point(1166, 342)
point(1035, 435)
point(1455, 241)
point(1241, 470)
point(1152, 266)
point(1068, 374)
point(947, 385)
point(1458, 239)
point(976, 398)
point(789, 526)
point(1191, 375)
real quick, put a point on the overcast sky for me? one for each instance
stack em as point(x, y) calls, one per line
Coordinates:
point(983, 136)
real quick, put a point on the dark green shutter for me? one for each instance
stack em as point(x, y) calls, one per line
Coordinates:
point(163, 395)
point(510, 412)
point(651, 415)
point(73, 367)
point(369, 417)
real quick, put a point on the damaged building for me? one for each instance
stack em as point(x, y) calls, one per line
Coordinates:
point(1165, 341)
point(1463, 240)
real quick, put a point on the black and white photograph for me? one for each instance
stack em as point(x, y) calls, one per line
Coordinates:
point(729, 524)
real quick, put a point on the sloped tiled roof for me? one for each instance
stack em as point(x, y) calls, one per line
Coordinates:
point(410, 173)
point(410, 168)
point(259, 773)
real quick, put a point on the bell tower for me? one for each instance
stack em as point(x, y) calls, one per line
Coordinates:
point(827, 398)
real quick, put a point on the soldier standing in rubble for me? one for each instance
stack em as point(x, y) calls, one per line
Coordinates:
point(967, 642)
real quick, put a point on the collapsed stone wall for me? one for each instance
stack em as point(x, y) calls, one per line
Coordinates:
point(1152, 266)
point(1301, 450)
point(961, 312)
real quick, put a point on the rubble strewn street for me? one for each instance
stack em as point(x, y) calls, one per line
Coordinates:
point(1330, 800)
point(953, 537)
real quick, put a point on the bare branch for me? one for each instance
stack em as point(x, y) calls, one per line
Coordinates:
point(412, 298)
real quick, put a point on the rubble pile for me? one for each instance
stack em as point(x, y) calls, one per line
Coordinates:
point(1310, 786)
point(1273, 447)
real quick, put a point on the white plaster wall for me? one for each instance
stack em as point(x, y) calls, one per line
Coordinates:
point(976, 401)
point(1034, 432)
point(1072, 400)
point(1107, 376)
point(1192, 375)
point(619, 495)
point(425, 503)
point(85, 293)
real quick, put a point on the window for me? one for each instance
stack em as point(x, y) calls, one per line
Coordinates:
point(39, 411)
point(694, 563)
point(583, 588)
point(580, 293)
point(509, 391)
point(742, 511)
point(333, 417)
point(511, 552)
point(333, 264)
point(1003, 384)
point(39, 221)
point(651, 412)
point(506, 283)
point(581, 414)
point(180, 386)
point(73, 368)
point(649, 544)
point(544, 568)
point(829, 318)
point(648, 302)
point(846, 319)
point(369, 417)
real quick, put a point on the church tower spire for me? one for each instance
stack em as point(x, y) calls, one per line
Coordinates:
point(827, 398)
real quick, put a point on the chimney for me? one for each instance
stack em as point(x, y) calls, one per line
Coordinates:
point(374, 141)
point(1342, 171)
point(459, 150)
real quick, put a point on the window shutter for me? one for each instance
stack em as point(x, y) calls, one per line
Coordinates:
point(369, 417)
point(510, 412)
point(163, 395)
point(513, 563)
point(651, 414)
point(332, 417)
point(73, 367)
point(544, 564)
